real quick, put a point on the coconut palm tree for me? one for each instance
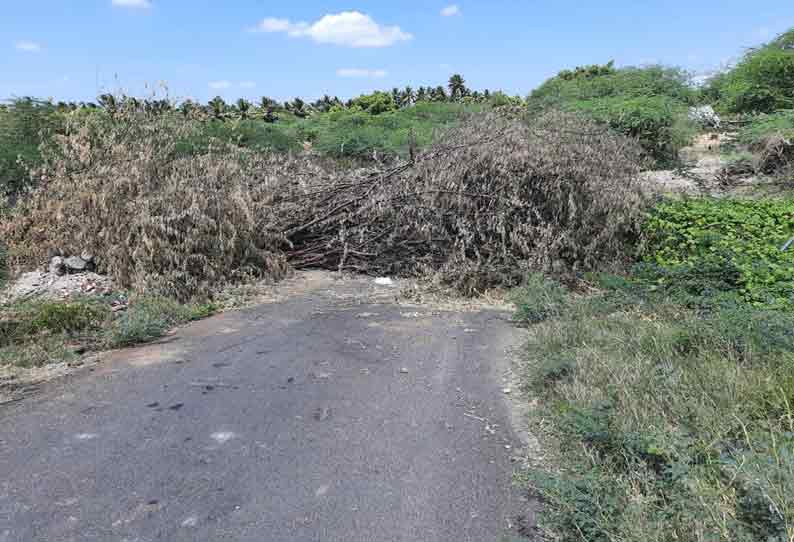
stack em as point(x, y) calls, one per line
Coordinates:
point(109, 103)
point(297, 108)
point(457, 87)
point(407, 96)
point(243, 108)
point(217, 107)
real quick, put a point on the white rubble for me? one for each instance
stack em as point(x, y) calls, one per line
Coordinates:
point(55, 286)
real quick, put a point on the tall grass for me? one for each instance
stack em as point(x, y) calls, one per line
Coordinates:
point(662, 424)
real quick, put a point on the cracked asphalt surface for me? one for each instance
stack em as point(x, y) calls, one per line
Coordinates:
point(322, 417)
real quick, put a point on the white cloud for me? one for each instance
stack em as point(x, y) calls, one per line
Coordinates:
point(357, 72)
point(138, 4)
point(450, 11)
point(271, 24)
point(220, 85)
point(349, 28)
point(27, 46)
point(247, 84)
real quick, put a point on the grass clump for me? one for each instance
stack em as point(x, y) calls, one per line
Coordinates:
point(149, 318)
point(663, 423)
point(38, 332)
point(34, 333)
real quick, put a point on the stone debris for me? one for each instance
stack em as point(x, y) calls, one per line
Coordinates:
point(705, 116)
point(66, 276)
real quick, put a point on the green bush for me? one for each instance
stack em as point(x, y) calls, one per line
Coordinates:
point(375, 103)
point(659, 123)
point(25, 124)
point(250, 134)
point(652, 81)
point(650, 104)
point(763, 81)
point(358, 134)
point(725, 245)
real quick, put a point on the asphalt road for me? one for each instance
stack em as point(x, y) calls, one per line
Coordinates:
point(316, 418)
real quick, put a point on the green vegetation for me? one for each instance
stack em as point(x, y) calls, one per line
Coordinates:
point(38, 332)
point(713, 246)
point(660, 423)
point(358, 134)
point(762, 81)
point(24, 124)
point(659, 123)
point(596, 82)
point(762, 127)
point(667, 396)
point(151, 317)
point(649, 104)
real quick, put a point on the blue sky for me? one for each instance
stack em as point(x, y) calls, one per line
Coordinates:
point(73, 49)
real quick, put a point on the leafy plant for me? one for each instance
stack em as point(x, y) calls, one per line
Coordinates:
point(659, 123)
point(762, 81)
point(740, 240)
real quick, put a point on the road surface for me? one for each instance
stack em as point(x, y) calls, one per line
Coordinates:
point(322, 417)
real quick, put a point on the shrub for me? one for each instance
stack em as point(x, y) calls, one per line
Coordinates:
point(627, 83)
point(357, 134)
point(659, 123)
point(375, 103)
point(649, 104)
point(157, 222)
point(740, 240)
point(24, 124)
point(771, 140)
point(249, 134)
point(762, 81)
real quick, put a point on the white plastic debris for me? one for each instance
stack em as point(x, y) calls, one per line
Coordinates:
point(384, 281)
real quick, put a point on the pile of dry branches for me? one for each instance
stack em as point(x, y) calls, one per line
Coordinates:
point(492, 199)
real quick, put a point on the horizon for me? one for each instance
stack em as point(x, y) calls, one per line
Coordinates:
point(135, 47)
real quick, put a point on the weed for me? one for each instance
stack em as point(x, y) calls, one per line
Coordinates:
point(664, 423)
point(150, 317)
